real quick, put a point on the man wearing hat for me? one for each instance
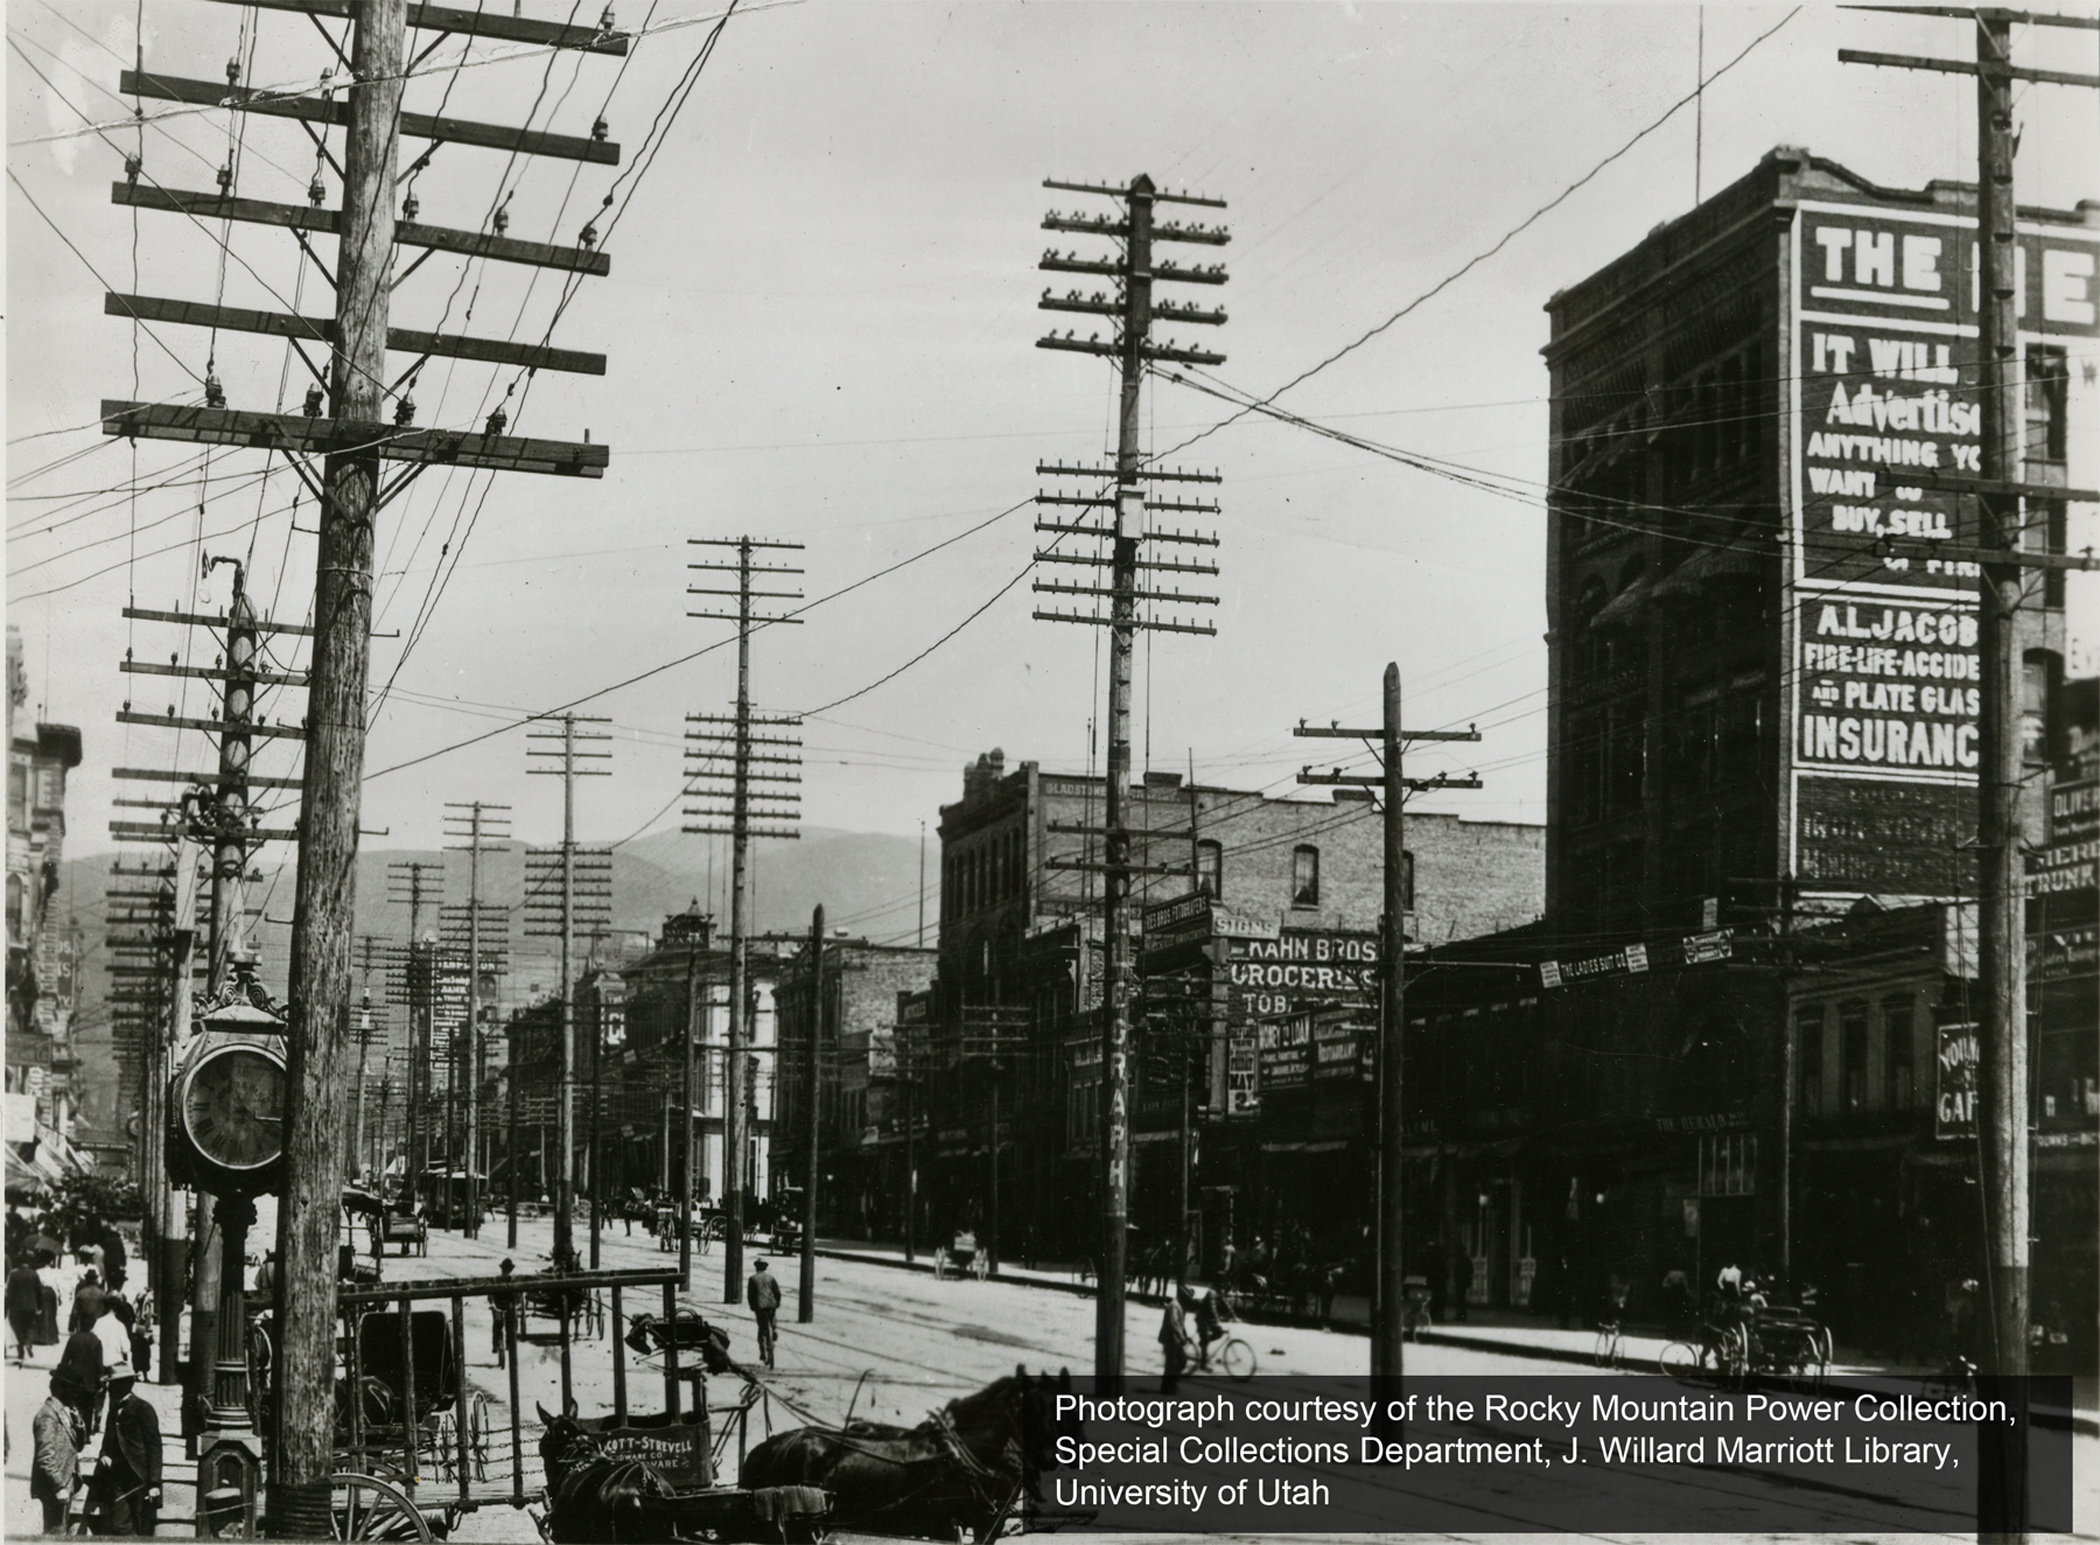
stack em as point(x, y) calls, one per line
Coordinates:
point(126, 1488)
point(59, 1431)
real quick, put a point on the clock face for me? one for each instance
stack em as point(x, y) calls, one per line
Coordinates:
point(233, 1108)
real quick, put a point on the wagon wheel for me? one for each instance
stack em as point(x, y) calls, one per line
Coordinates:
point(444, 1444)
point(478, 1434)
point(364, 1507)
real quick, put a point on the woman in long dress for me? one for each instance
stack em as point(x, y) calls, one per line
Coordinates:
point(56, 1291)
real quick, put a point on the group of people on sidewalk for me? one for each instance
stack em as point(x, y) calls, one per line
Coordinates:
point(94, 1389)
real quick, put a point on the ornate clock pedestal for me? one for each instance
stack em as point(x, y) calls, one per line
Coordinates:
point(226, 1139)
point(229, 1450)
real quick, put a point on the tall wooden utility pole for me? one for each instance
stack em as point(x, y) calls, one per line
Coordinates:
point(372, 950)
point(215, 816)
point(2001, 825)
point(1123, 493)
point(484, 827)
point(812, 1076)
point(355, 441)
point(1388, 1299)
point(564, 886)
point(417, 884)
point(722, 751)
point(694, 927)
point(992, 1032)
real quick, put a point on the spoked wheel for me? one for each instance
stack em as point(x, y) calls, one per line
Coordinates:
point(1682, 1360)
point(1237, 1358)
point(478, 1435)
point(364, 1507)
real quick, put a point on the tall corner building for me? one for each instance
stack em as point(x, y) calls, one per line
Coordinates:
point(1753, 679)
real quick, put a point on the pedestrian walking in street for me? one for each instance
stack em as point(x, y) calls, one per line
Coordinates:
point(59, 1432)
point(49, 1298)
point(125, 1493)
point(25, 1298)
point(1174, 1340)
point(97, 1312)
point(78, 1376)
point(762, 1292)
point(501, 1307)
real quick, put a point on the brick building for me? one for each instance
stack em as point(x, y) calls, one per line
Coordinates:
point(858, 1157)
point(998, 1068)
point(1732, 1035)
point(42, 958)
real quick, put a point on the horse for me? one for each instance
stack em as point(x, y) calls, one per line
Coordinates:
point(960, 1469)
point(593, 1498)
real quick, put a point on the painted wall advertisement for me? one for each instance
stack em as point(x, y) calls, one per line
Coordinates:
point(1887, 672)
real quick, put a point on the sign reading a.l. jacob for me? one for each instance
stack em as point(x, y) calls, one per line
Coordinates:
point(1889, 688)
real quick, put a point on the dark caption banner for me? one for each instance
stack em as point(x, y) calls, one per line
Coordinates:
point(1544, 1455)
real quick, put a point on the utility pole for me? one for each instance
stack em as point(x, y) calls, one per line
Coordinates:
point(383, 953)
point(484, 827)
point(580, 880)
point(990, 1033)
point(812, 1072)
point(215, 814)
point(417, 883)
point(1121, 489)
point(343, 425)
point(2001, 876)
point(1388, 1300)
point(741, 811)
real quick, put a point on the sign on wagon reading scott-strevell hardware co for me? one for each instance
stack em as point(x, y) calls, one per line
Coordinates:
point(1886, 674)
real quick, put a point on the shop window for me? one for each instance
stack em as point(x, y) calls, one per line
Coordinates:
point(1728, 1164)
point(1852, 1055)
point(1899, 1067)
point(1808, 1058)
point(1305, 876)
point(1210, 869)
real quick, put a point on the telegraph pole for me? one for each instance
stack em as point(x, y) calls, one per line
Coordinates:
point(768, 810)
point(1388, 1300)
point(2001, 877)
point(990, 1031)
point(372, 951)
point(415, 884)
point(214, 814)
point(484, 826)
point(343, 426)
point(812, 1071)
point(1135, 272)
point(582, 879)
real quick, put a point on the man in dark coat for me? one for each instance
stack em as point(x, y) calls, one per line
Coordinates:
point(78, 1376)
point(25, 1300)
point(126, 1489)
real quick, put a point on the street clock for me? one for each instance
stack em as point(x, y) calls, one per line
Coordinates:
point(225, 1126)
point(233, 1110)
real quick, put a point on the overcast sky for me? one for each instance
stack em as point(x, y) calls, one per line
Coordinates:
point(820, 324)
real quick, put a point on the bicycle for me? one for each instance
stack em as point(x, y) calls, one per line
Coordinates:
point(1235, 1358)
point(1720, 1350)
point(1610, 1344)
